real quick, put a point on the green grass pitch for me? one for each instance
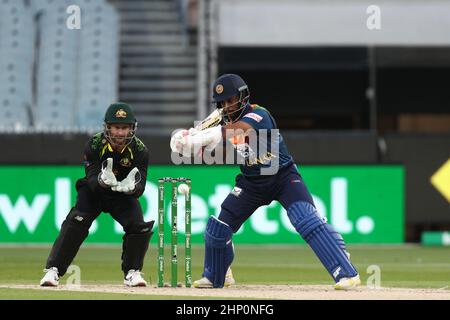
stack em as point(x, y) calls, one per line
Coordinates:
point(409, 266)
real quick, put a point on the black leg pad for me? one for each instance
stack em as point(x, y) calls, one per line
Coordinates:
point(66, 246)
point(135, 245)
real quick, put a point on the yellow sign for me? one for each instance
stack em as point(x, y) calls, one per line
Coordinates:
point(441, 180)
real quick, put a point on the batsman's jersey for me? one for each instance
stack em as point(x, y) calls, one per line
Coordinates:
point(98, 149)
point(271, 152)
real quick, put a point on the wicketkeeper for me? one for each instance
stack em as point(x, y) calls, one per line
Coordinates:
point(268, 173)
point(115, 162)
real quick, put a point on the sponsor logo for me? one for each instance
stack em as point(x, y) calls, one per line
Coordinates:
point(265, 159)
point(254, 116)
point(336, 273)
point(238, 140)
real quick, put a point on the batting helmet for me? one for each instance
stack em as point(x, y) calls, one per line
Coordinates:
point(120, 113)
point(226, 87)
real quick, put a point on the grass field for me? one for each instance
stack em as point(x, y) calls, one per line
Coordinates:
point(407, 266)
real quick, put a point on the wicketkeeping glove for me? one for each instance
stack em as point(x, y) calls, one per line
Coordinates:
point(128, 184)
point(107, 176)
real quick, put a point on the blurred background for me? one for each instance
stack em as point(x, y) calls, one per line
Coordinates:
point(360, 91)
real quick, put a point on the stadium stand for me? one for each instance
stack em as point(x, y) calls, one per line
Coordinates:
point(158, 64)
point(52, 77)
point(16, 65)
point(98, 63)
point(56, 68)
point(137, 51)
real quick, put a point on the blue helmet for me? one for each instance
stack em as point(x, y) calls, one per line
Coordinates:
point(226, 87)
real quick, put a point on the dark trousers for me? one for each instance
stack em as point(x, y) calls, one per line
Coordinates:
point(250, 193)
point(124, 209)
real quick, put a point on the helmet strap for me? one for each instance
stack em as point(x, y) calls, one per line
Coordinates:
point(128, 140)
point(242, 102)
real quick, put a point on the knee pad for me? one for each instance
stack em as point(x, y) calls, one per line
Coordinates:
point(135, 245)
point(327, 244)
point(140, 227)
point(79, 218)
point(74, 231)
point(219, 251)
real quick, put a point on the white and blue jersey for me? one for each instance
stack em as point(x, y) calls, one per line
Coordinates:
point(271, 152)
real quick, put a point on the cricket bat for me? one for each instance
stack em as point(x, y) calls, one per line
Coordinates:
point(210, 121)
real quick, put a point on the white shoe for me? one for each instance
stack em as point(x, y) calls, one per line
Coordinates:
point(134, 279)
point(50, 278)
point(229, 280)
point(348, 283)
point(204, 283)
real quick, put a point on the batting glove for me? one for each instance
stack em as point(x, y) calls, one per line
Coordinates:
point(178, 140)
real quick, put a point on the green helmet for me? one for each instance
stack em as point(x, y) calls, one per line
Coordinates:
point(120, 113)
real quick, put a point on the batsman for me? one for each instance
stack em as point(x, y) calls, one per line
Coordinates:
point(257, 185)
point(115, 163)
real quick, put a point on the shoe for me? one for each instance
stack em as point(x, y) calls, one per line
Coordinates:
point(134, 279)
point(348, 283)
point(229, 280)
point(51, 278)
point(204, 283)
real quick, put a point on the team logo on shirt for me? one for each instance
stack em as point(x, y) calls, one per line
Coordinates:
point(219, 89)
point(253, 116)
point(236, 191)
point(263, 160)
point(121, 113)
point(125, 162)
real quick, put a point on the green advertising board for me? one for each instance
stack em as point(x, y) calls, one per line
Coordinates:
point(364, 203)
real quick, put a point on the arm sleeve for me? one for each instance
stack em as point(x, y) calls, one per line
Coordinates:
point(142, 165)
point(92, 168)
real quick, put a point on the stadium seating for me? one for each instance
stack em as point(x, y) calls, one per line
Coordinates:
point(98, 63)
point(56, 68)
point(16, 64)
point(52, 77)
